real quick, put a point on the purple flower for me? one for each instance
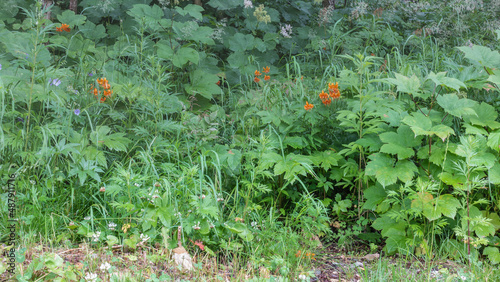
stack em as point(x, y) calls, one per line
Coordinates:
point(91, 74)
point(0, 66)
point(77, 112)
point(55, 82)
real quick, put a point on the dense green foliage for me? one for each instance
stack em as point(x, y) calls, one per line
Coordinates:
point(133, 118)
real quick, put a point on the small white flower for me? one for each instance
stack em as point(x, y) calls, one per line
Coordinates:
point(178, 214)
point(111, 226)
point(137, 185)
point(248, 4)
point(144, 238)
point(90, 277)
point(302, 277)
point(203, 196)
point(87, 218)
point(463, 278)
point(105, 266)
point(197, 226)
point(96, 236)
point(33, 182)
point(286, 31)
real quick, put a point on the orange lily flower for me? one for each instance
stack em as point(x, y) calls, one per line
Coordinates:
point(308, 106)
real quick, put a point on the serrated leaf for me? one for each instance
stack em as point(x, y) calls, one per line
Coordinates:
point(203, 83)
point(447, 205)
point(400, 143)
point(192, 10)
point(374, 195)
point(405, 170)
point(410, 85)
point(441, 79)
point(381, 166)
point(494, 174)
point(483, 55)
point(68, 17)
point(456, 106)
point(326, 159)
point(422, 125)
point(184, 55)
point(493, 254)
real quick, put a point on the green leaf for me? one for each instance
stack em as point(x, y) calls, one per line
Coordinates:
point(422, 125)
point(483, 55)
point(456, 106)
point(184, 55)
point(68, 17)
point(203, 83)
point(494, 174)
point(192, 10)
point(441, 79)
point(485, 116)
point(381, 166)
point(93, 32)
point(241, 42)
point(447, 205)
point(400, 143)
point(374, 195)
point(493, 254)
point(326, 159)
point(142, 12)
point(494, 140)
point(410, 85)
point(225, 4)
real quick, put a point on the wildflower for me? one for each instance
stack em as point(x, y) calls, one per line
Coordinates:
point(96, 236)
point(333, 90)
point(77, 112)
point(239, 219)
point(266, 69)
point(267, 77)
point(261, 14)
point(64, 27)
point(286, 31)
point(323, 95)
point(108, 92)
point(197, 226)
point(157, 184)
point(55, 82)
point(103, 189)
point(297, 254)
point(256, 79)
point(105, 266)
point(91, 74)
point(327, 101)
point(125, 227)
point(87, 218)
point(103, 99)
point(144, 238)
point(90, 277)
point(218, 83)
point(308, 106)
point(257, 73)
point(137, 185)
point(0, 66)
point(302, 277)
point(112, 226)
point(248, 4)
point(71, 223)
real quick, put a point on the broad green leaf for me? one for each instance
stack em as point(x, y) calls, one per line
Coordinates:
point(374, 195)
point(422, 125)
point(485, 116)
point(493, 253)
point(405, 170)
point(203, 83)
point(494, 140)
point(93, 32)
point(142, 12)
point(381, 166)
point(184, 55)
point(447, 205)
point(68, 17)
point(494, 174)
point(483, 55)
point(225, 4)
point(495, 77)
point(241, 42)
point(456, 106)
point(192, 10)
point(410, 85)
point(326, 159)
point(441, 79)
point(400, 143)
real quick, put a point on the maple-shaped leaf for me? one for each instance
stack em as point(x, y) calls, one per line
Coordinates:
point(440, 78)
point(485, 116)
point(483, 55)
point(456, 106)
point(493, 254)
point(400, 143)
point(422, 125)
point(410, 85)
point(382, 167)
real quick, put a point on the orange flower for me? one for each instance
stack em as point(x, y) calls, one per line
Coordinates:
point(95, 91)
point(218, 83)
point(102, 81)
point(257, 73)
point(323, 95)
point(333, 90)
point(297, 254)
point(267, 77)
point(256, 79)
point(103, 99)
point(106, 85)
point(64, 27)
point(327, 101)
point(308, 106)
point(266, 69)
point(108, 92)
